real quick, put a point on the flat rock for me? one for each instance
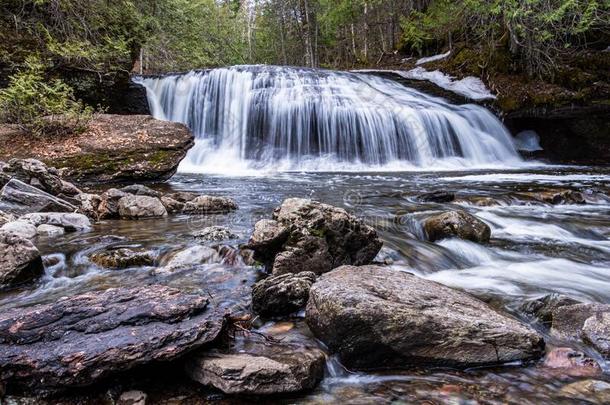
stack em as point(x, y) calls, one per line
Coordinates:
point(209, 204)
point(260, 370)
point(121, 258)
point(81, 339)
point(70, 222)
point(20, 261)
point(21, 228)
point(141, 206)
point(456, 224)
point(18, 198)
point(114, 149)
point(375, 317)
point(306, 235)
point(283, 294)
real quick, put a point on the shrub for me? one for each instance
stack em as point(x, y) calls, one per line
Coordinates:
point(41, 107)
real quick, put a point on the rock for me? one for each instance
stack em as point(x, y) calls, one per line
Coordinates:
point(307, 235)
point(283, 294)
point(172, 206)
point(596, 331)
point(458, 224)
point(376, 317)
point(591, 391)
point(71, 222)
point(115, 149)
point(20, 261)
point(569, 320)
point(542, 308)
point(18, 198)
point(208, 204)
point(183, 196)
point(49, 230)
point(437, 197)
point(571, 362)
point(556, 197)
point(140, 206)
point(109, 206)
point(214, 234)
point(78, 340)
point(89, 205)
point(263, 370)
point(122, 258)
point(37, 174)
point(139, 189)
point(132, 398)
point(5, 217)
point(20, 228)
point(189, 257)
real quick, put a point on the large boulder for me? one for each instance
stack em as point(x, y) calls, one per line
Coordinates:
point(307, 235)
point(20, 261)
point(81, 339)
point(17, 197)
point(260, 369)
point(283, 294)
point(141, 206)
point(456, 224)
point(376, 317)
point(115, 148)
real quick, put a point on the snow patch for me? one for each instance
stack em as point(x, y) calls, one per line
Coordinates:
point(470, 87)
point(432, 58)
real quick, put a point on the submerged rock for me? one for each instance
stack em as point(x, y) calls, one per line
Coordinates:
point(556, 197)
point(261, 370)
point(283, 294)
point(307, 235)
point(214, 234)
point(567, 361)
point(437, 197)
point(18, 198)
point(123, 257)
point(141, 206)
point(588, 390)
point(208, 204)
point(458, 224)
point(375, 317)
point(20, 261)
point(81, 339)
point(193, 256)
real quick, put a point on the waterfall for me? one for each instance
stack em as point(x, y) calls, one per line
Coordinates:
point(286, 118)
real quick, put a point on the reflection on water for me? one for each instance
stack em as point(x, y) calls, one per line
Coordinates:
point(536, 248)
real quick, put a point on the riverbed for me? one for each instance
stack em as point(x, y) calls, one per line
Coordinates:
point(536, 248)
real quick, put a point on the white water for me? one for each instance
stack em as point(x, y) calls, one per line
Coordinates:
point(279, 118)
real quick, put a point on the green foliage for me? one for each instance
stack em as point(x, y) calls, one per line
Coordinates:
point(40, 107)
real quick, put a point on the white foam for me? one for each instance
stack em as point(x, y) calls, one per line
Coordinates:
point(434, 58)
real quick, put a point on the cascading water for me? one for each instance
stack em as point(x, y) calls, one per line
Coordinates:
point(284, 118)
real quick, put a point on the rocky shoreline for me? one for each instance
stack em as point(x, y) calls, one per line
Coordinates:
point(315, 259)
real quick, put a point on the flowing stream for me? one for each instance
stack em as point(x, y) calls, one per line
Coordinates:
point(297, 120)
